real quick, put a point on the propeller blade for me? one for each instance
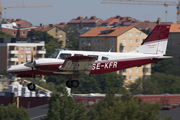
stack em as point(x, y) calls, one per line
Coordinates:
point(26, 58)
point(31, 56)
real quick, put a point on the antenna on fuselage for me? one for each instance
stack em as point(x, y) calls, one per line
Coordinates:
point(111, 48)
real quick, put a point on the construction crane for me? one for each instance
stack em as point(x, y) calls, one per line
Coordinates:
point(21, 6)
point(165, 3)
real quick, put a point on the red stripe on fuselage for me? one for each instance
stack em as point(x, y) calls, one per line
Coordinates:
point(104, 66)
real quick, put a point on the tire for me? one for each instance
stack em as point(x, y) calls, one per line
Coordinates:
point(31, 86)
point(68, 84)
point(75, 83)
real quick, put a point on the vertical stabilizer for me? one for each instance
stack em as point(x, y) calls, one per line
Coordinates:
point(156, 42)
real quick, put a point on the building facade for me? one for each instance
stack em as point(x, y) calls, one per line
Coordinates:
point(14, 52)
point(174, 43)
point(118, 39)
point(55, 31)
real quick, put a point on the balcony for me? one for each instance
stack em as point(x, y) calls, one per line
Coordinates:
point(41, 51)
point(13, 51)
point(88, 44)
point(13, 59)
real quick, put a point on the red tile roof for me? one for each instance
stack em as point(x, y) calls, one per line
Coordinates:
point(175, 28)
point(97, 31)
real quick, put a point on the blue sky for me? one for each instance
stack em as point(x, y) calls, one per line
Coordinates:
point(65, 10)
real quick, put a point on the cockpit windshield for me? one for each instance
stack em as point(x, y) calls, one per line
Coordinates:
point(54, 55)
point(64, 56)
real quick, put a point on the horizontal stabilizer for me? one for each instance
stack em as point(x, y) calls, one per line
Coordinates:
point(164, 57)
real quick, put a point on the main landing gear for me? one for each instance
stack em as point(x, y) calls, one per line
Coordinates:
point(72, 82)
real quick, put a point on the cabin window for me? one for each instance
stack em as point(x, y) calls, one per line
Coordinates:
point(64, 56)
point(96, 56)
point(77, 54)
point(104, 58)
point(54, 55)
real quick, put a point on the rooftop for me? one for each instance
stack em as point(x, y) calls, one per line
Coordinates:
point(106, 31)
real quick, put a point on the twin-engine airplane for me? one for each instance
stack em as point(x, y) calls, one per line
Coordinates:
point(75, 63)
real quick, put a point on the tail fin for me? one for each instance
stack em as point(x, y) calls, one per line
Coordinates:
point(156, 42)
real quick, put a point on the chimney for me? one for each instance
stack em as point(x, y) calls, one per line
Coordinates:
point(40, 24)
point(159, 21)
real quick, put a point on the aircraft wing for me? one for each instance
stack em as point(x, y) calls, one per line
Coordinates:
point(164, 57)
point(78, 64)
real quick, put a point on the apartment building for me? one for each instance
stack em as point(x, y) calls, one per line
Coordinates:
point(85, 22)
point(174, 43)
point(55, 31)
point(120, 39)
point(15, 51)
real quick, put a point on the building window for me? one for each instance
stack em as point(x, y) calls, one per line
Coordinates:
point(23, 33)
point(16, 48)
point(21, 62)
point(141, 33)
point(61, 35)
point(137, 34)
point(169, 36)
point(130, 70)
point(113, 40)
point(107, 40)
point(21, 56)
point(124, 41)
point(22, 48)
point(173, 51)
point(56, 30)
point(107, 48)
point(137, 40)
point(98, 41)
point(169, 44)
point(137, 70)
point(102, 41)
point(102, 48)
point(34, 48)
point(93, 40)
point(93, 48)
point(16, 63)
point(130, 48)
point(82, 41)
point(145, 70)
point(82, 48)
point(173, 43)
point(127, 34)
point(130, 34)
point(124, 70)
point(130, 77)
point(124, 76)
point(173, 36)
point(137, 77)
point(130, 41)
point(179, 50)
point(124, 48)
point(14, 33)
point(97, 48)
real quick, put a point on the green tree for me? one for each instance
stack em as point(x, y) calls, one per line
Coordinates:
point(73, 45)
point(124, 108)
point(5, 35)
point(156, 83)
point(51, 43)
point(63, 107)
point(11, 112)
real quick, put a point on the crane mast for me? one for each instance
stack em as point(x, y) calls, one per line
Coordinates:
point(165, 3)
point(21, 6)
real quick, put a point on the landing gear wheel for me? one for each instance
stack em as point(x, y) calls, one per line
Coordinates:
point(31, 86)
point(68, 84)
point(75, 83)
